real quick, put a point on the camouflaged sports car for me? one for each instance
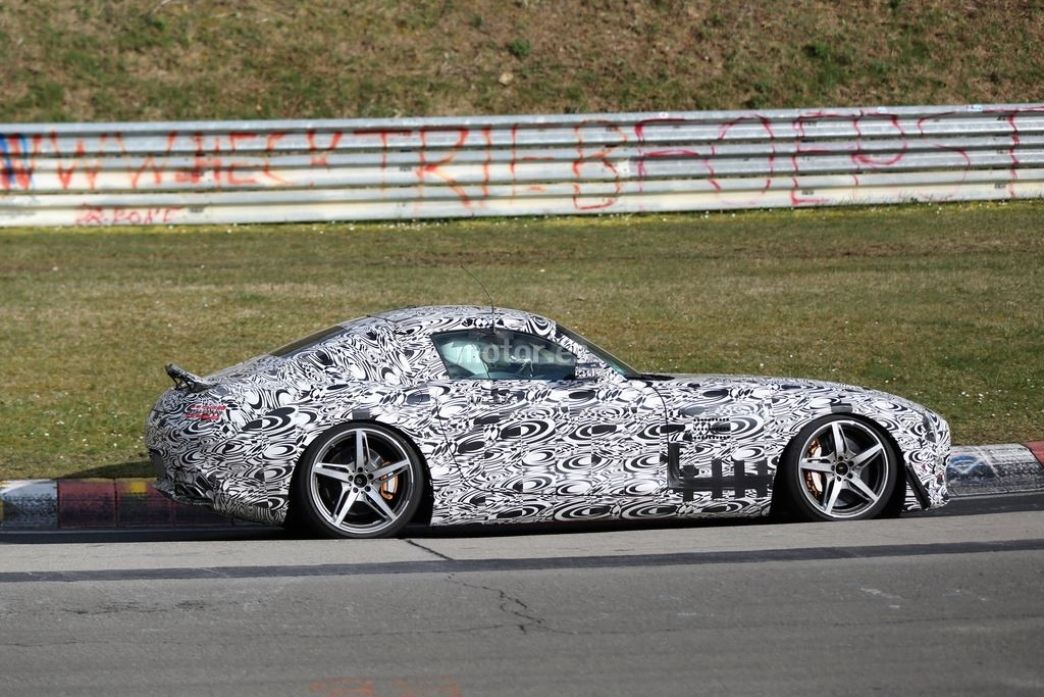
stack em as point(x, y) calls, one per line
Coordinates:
point(448, 415)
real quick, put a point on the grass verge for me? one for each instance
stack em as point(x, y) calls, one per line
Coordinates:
point(939, 304)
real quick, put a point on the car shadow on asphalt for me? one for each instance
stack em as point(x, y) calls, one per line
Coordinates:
point(975, 505)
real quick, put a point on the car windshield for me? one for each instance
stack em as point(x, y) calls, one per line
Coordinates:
point(614, 362)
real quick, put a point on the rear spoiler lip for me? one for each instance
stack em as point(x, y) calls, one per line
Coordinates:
point(183, 379)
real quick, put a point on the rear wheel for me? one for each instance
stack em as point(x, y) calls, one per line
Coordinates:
point(840, 468)
point(359, 480)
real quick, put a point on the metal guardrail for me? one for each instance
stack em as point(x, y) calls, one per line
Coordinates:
point(280, 171)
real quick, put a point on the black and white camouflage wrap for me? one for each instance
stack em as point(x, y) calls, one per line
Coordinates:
point(512, 450)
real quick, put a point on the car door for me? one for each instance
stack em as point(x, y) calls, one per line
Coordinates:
point(715, 451)
point(528, 424)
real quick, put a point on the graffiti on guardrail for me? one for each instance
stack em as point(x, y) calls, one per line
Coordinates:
point(98, 215)
point(224, 172)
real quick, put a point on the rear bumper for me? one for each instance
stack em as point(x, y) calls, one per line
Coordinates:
point(245, 504)
point(233, 497)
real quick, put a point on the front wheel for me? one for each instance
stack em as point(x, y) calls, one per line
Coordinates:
point(359, 480)
point(840, 468)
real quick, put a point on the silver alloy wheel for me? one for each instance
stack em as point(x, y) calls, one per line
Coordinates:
point(844, 468)
point(362, 482)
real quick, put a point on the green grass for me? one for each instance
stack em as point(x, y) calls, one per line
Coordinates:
point(76, 60)
point(942, 305)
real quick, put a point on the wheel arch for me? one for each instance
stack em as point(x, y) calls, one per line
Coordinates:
point(424, 512)
point(778, 504)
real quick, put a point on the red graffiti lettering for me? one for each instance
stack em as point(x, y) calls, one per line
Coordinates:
point(643, 155)
point(487, 137)
point(869, 159)
point(604, 168)
point(148, 165)
point(798, 197)
point(383, 135)
point(89, 169)
point(766, 126)
point(89, 215)
point(270, 144)
point(18, 161)
point(321, 156)
point(433, 168)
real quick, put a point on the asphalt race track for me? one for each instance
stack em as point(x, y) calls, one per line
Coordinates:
point(946, 603)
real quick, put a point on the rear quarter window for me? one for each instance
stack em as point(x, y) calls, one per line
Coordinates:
point(295, 347)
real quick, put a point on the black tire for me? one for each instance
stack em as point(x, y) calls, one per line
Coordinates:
point(839, 468)
point(338, 494)
point(295, 523)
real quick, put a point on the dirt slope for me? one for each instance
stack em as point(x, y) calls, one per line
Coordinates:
point(178, 59)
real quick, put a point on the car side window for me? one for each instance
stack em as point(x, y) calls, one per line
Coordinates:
point(484, 354)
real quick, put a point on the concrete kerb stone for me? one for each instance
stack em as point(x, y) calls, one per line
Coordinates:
point(41, 504)
point(980, 470)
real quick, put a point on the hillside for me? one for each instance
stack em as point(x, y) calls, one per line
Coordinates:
point(70, 60)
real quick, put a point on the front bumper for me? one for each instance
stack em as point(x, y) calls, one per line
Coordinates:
point(926, 460)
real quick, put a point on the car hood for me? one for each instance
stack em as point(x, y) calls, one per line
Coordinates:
point(753, 381)
point(757, 386)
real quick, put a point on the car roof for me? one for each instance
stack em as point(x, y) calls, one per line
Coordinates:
point(462, 312)
point(432, 319)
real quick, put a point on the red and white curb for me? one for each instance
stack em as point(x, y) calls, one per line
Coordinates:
point(43, 504)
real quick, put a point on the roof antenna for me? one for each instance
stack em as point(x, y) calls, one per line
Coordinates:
point(489, 296)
